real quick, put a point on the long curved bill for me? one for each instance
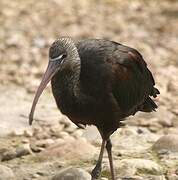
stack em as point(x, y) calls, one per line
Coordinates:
point(50, 71)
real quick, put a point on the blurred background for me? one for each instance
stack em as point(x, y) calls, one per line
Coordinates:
point(27, 29)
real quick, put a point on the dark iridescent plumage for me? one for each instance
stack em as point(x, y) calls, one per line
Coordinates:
point(98, 82)
point(114, 83)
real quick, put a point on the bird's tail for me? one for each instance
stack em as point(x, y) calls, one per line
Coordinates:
point(155, 92)
point(148, 106)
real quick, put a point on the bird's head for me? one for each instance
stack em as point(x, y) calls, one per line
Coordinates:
point(61, 52)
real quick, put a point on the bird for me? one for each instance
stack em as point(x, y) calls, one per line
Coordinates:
point(98, 82)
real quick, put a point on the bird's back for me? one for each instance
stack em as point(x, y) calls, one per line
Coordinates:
point(111, 68)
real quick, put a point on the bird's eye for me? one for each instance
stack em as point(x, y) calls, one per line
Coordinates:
point(62, 56)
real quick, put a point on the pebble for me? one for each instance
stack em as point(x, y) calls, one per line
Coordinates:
point(165, 117)
point(173, 177)
point(128, 131)
point(8, 155)
point(42, 135)
point(35, 148)
point(17, 132)
point(28, 133)
point(166, 143)
point(154, 177)
point(59, 141)
point(131, 167)
point(25, 141)
point(35, 176)
point(72, 150)
point(6, 173)
point(72, 174)
point(44, 142)
point(63, 134)
point(70, 129)
point(55, 130)
point(131, 178)
point(23, 150)
point(64, 120)
point(77, 133)
point(37, 129)
point(27, 178)
point(155, 127)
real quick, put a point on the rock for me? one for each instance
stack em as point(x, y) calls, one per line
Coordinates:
point(23, 150)
point(77, 133)
point(165, 117)
point(173, 177)
point(18, 152)
point(26, 178)
point(63, 135)
point(70, 129)
point(40, 173)
point(72, 174)
point(155, 126)
point(6, 173)
point(154, 177)
point(91, 134)
point(28, 132)
point(59, 141)
point(166, 143)
point(42, 135)
point(128, 131)
point(8, 155)
point(129, 140)
point(35, 176)
point(131, 167)
point(131, 178)
point(171, 130)
point(17, 132)
point(35, 148)
point(25, 141)
point(55, 130)
point(72, 149)
point(64, 120)
point(44, 143)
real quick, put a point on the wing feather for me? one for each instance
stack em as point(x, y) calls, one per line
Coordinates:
point(134, 82)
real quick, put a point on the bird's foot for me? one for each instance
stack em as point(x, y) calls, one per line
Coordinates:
point(95, 174)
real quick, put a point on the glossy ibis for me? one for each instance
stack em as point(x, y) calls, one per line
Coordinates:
point(98, 82)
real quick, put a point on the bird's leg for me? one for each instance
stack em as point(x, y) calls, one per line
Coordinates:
point(97, 170)
point(109, 151)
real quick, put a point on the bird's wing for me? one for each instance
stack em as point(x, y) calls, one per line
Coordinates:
point(133, 82)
